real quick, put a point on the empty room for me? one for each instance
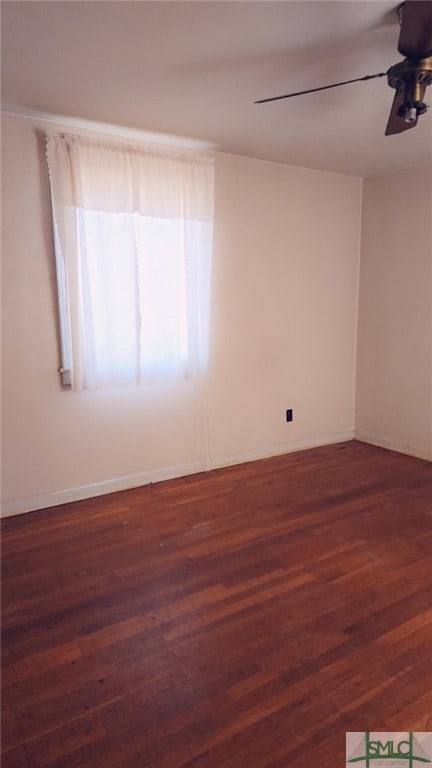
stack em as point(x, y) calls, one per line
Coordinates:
point(216, 384)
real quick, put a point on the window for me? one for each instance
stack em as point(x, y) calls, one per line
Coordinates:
point(133, 239)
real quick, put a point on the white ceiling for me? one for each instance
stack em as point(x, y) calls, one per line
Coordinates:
point(194, 69)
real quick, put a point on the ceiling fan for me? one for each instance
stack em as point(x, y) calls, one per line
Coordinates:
point(409, 77)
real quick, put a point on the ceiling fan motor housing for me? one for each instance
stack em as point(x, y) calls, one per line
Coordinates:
point(411, 77)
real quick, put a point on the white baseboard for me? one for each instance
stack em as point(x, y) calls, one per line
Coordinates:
point(68, 495)
point(392, 445)
point(281, 448)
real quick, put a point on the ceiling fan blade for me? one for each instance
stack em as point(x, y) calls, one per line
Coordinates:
point(322, 88)
point(415, 39)
point(395, 123)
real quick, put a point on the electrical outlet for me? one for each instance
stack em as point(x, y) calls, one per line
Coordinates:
point(289, 414)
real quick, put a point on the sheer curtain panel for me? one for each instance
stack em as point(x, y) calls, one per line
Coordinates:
point(133, 240)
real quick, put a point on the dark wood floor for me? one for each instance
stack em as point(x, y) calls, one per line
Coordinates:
point(244, 618)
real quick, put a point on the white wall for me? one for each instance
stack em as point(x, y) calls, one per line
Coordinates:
point(285, 288)
point(394, 383)
point(285, 301)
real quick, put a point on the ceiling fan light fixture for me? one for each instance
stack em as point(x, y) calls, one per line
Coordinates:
point(413, 105)
point(410, 115)
point(410, 79)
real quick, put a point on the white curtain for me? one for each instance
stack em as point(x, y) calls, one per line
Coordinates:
point(133, 240)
